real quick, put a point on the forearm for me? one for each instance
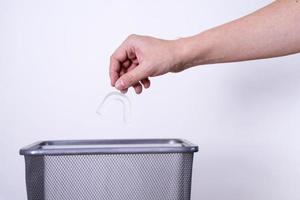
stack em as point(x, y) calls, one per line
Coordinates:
point(269, 32)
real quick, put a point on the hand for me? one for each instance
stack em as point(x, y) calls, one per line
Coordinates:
point(269, 32)
point(141, 57)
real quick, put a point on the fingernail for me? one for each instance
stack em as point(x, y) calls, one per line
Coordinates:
point(120, 85)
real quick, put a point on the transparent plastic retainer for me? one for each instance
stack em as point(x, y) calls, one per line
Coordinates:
point(116, 96)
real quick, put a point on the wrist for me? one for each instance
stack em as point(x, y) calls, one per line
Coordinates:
point(194, 50)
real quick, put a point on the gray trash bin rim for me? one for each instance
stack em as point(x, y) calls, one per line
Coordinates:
point(112, 146)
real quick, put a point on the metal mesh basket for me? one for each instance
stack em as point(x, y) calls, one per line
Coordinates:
point(154, 169)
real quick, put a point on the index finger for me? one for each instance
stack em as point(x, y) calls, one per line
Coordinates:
point(114, 70)
point(116, 60)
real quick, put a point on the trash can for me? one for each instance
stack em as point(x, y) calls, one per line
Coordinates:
point(134, 169)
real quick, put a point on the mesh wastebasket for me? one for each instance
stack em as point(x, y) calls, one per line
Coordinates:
point(144, 169)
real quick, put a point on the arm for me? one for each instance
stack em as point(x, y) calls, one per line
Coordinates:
point(269, 32)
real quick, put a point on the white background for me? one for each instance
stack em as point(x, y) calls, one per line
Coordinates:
point(245, 117)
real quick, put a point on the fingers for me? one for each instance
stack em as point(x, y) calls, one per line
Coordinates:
point(118, 59)
point(124, 91)
point(127, 74)
point(138, 88)
point(146, 83)
point(131, 78)
point(125, 69)
point(114, 70)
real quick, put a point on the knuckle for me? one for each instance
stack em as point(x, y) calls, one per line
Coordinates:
point(132, 37)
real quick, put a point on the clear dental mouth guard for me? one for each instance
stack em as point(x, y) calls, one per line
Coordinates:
point(119, 97)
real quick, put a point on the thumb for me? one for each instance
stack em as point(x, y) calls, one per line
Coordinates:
point(130, 78)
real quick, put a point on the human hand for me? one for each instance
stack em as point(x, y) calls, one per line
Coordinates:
point(247, 38)
point(141, 57)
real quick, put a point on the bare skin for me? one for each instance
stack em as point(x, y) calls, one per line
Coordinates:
point(272, 31)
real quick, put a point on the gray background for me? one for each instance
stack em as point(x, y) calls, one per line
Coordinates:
point(54, 59)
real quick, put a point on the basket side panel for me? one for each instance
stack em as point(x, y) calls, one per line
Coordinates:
point(35, 177)
point(118, 177)
point(187, 175)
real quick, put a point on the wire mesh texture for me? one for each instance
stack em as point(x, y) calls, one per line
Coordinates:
point(132, 176)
